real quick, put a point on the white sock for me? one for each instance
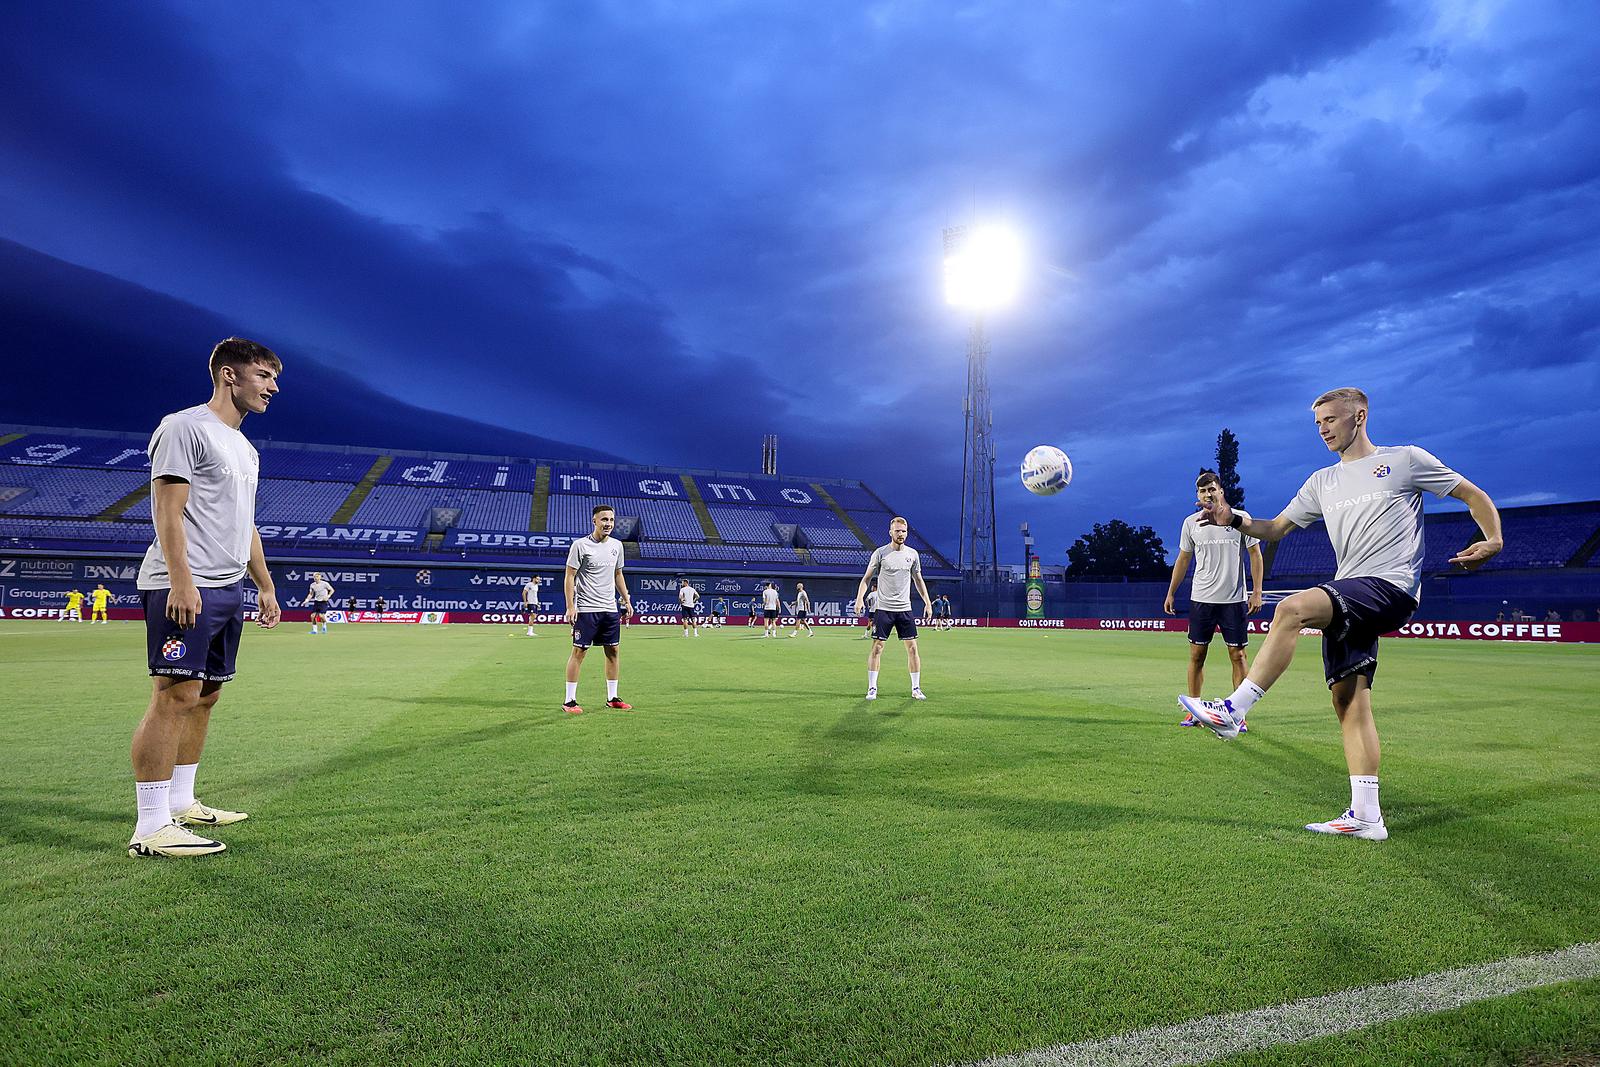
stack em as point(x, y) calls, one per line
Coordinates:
point(916, 679)
point(1244, 698)
point(611, 688)
point(153, 811)
point(572, 691)
point(872, 679)
point(1364, 797)
point(182, 795)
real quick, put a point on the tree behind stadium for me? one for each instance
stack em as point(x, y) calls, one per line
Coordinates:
point(1116, 550)
point(1228, 467)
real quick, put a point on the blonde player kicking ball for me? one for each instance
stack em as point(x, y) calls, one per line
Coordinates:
point(203, 477)
point(1372, 502)
point(1217, 598)
point(593, 586)
point(896, 565)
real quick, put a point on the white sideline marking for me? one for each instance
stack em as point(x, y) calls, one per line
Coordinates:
point(1216, 1036)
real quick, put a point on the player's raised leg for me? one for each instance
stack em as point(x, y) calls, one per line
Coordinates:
point(1308, 609)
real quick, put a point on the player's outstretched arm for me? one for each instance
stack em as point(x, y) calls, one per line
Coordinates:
point(1220, 514)
point(1180, 567)
point(268, 612)
point(1487, 516)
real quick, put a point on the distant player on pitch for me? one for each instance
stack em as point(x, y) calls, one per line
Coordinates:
point(530, 603)
point(688, 606)
point(594, 585)
point(897, 565)
point(802, 611)
point(319, 597)
point(1371, 501)
point(771, 601)
point(1217, 597)
point(871, 607)
point(99, 597)
point(73, 612)
point(203, 475)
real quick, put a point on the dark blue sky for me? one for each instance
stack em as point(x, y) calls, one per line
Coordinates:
point(661, 230)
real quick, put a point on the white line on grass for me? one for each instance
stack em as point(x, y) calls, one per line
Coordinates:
point(1216, 1036)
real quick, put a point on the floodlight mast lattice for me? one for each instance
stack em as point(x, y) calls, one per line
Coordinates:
point(965, 287)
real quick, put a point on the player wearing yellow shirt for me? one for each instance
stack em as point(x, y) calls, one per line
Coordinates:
point(97, 605)
point(74, 612)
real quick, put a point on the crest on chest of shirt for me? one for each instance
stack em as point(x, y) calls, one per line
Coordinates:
point(1382, 470)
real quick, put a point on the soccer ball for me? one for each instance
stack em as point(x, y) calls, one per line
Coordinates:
point(1046, 470)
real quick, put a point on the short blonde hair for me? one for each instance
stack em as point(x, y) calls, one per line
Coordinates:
point(1349, 394)
point(901, 520)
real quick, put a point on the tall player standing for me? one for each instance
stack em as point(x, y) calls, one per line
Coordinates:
point(688, 606)
point(1217, 598)
point(594, 584)
point(897, 565)
point(203, 475)
point(1371, 501)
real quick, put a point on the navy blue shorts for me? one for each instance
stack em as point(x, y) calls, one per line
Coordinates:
point(1206, 619)
point(597, 628)
point(319, 607)
point(686, 611)
point(769, 614)
point(209, 648)
point(903, 623)
point(1363, 608)
point(800, 616)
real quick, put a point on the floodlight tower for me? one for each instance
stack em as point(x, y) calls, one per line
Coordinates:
point(981, 272)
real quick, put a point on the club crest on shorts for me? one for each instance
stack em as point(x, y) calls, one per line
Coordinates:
point(1381, 470)
point(173, 649)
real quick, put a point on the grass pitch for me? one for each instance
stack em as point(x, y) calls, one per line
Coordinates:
point(756, 866)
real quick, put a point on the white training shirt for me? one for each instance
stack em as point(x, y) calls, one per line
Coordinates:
point(769, 599)
point(219, 521)
point(1218, 561)
point(530, 592)
point(894, 569)
point(597, 564)
point(321, 590)
point(1373, 508)
point(688, 596)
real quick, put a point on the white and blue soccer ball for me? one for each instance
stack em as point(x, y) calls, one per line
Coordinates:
point(1046, 470)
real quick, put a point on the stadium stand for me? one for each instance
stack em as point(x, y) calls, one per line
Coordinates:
point(408, 505)
point(751, 526)
point(52, 482)
point(67, 491)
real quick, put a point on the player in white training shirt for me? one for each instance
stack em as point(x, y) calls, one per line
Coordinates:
point(688, 605)
point(530, 603)
point(593, 587)
point(1217, 597)
point(319, 597)
point(802, 611)
point(897, 566)
point(1371, 501)
point(203, 475)
point(770, 603)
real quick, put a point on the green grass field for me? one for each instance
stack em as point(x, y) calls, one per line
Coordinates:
point(756, 866)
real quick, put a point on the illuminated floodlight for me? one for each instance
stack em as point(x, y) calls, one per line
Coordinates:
point(982, 267)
